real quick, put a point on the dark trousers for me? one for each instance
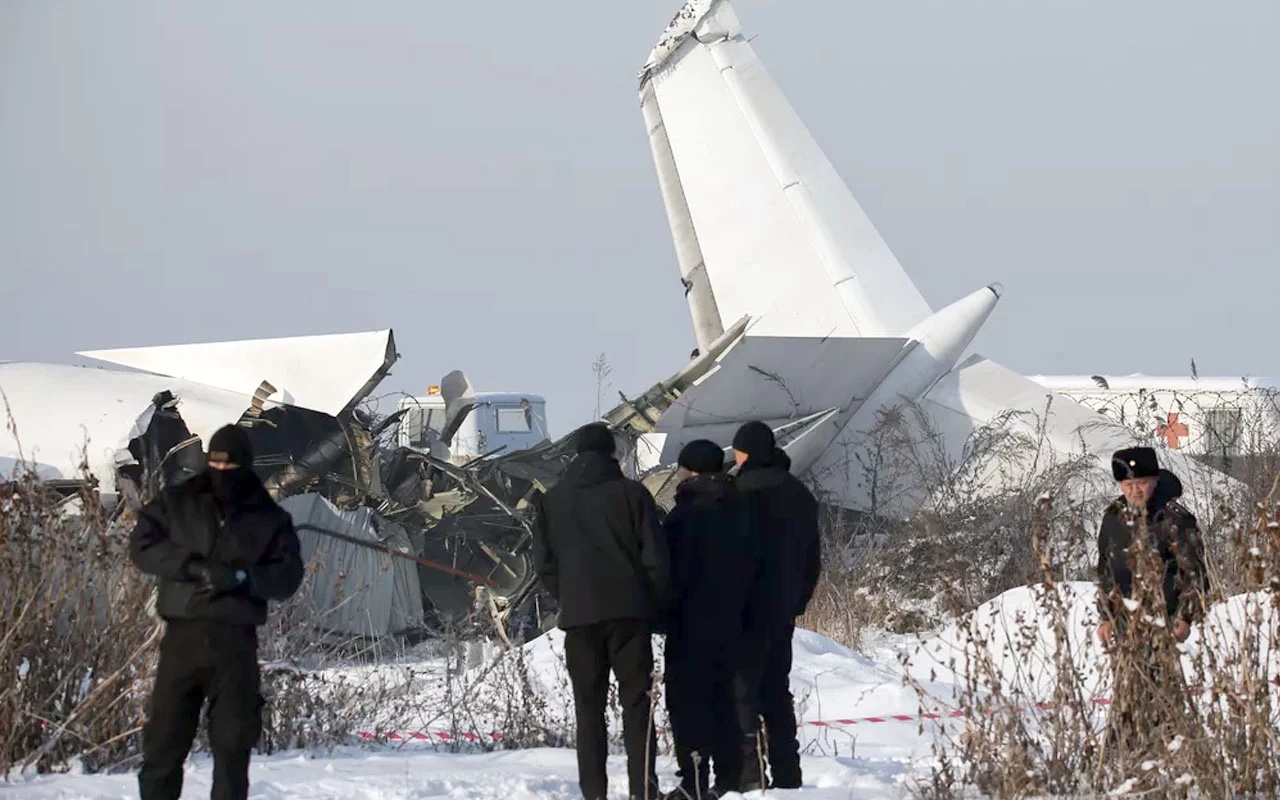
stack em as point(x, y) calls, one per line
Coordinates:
point(765, 680)
point(778, 710)
point(704, 719)
point(591, 651)
point(202, 661)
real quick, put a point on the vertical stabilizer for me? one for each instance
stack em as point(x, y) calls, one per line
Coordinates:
point(756, 209)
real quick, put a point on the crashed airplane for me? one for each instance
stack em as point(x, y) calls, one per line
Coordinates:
point(401, 539)
point(803, 316)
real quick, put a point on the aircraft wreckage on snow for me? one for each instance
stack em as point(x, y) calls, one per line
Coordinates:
point(400, 539)
point(803, 318)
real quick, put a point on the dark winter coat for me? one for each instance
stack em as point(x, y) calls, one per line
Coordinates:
point(790, 547)
point(599, 546)
point(246, 531)
point(1172, 530)
point(713, 559)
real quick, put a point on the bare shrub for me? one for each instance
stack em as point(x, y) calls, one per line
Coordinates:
point(966, 537)
point(76, 640)
point(78, 645)
point(1045, 713)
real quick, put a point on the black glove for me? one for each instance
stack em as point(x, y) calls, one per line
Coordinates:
point(215, 578)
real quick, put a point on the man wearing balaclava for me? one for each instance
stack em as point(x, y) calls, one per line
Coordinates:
point(599, 550)
point(221, 548)
point(790, 560)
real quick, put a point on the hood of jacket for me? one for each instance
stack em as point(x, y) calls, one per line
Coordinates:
point(764, 473)
point(1168, 488)
point(704, 490)
point(591, 469)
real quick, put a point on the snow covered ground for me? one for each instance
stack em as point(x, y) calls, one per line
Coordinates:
point(859, 760)
point(865, 734)
point(517, 775)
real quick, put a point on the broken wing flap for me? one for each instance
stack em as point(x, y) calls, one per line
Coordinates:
point(256, 405)
point(459, 400)
point(641, 415)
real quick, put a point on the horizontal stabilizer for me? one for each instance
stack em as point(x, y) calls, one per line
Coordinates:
point(777, 380)
point(784, 378)
point(330, 374)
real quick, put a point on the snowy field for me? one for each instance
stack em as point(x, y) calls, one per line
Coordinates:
point(865, 734)
point(519, 775)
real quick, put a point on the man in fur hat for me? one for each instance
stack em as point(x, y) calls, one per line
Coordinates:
point(1152, 579)
point(1148, 511)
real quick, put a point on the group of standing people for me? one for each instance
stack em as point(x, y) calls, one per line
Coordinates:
point(724, 575)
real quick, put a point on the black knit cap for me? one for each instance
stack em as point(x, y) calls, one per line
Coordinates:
point(1135, 462)
point(755, 439)
point(230, 445)
point(595, 438)
point(702, 456)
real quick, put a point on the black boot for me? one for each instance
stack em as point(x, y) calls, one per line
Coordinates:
point(695, 780)
point(752, 778)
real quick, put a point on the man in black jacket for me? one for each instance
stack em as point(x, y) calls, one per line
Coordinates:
point(600, 552)
point(790, 560)
point(1149, 505)
point(221, 549)
point(712, 566)
point(1147, 530)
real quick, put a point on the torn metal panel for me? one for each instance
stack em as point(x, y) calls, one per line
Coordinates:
point(357, 591)
point(459, 400)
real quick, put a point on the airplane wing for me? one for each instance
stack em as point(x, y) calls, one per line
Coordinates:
point(64, 416)
point(330, 374)
point(763, 224)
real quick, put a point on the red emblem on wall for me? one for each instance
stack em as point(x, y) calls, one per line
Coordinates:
point(1173, 431)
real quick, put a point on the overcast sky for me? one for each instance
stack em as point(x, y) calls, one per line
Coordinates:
point(477, 177)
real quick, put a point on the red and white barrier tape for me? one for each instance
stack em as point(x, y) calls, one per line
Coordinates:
point(427, 736)
point(472, 736)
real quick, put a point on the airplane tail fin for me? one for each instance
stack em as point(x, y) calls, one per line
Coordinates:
point(762, 223)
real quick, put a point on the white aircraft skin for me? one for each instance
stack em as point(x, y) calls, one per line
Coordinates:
point(66, 418)
point(765, 229)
